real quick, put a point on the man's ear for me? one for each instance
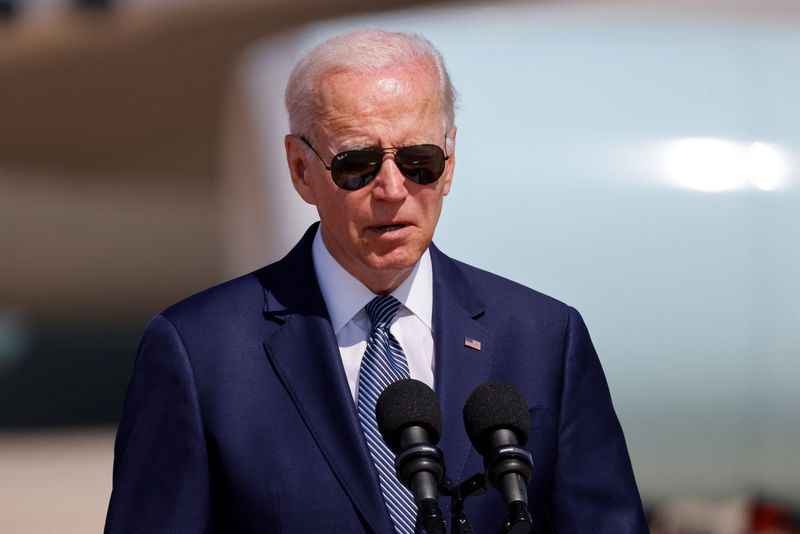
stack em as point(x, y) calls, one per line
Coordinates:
point(297, 158)
point(451, 161)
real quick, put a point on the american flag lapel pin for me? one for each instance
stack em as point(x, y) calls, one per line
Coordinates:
point(472, 343)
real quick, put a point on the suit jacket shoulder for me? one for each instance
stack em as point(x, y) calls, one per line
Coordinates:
point(496, 291)
point(243, 302)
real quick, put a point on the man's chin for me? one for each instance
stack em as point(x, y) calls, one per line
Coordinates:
point(389, 270)
point(392, 268)
point(395, 260)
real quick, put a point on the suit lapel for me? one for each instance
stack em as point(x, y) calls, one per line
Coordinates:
point(459, 368)
point(305, 355)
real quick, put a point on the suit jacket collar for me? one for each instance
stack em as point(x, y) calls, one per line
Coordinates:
point(303, 350)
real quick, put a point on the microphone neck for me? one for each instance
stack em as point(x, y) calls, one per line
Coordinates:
point(502, 437)
point(414, 435)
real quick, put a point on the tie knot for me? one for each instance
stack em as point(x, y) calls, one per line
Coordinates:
point(381, 310)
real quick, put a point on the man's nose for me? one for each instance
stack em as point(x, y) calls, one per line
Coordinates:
point(390, 184)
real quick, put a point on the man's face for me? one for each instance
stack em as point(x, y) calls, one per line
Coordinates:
point(378, 232)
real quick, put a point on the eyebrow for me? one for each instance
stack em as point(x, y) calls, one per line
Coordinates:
point(357, 146)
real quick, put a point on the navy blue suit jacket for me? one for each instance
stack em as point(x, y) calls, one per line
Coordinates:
point(239, 419)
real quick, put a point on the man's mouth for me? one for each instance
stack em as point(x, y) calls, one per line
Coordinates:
point(389, 227)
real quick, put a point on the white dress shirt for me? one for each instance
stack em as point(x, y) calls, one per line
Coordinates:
point(345, 298)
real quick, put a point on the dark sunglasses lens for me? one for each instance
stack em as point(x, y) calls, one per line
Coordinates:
point(422, 164)
point(354, 169)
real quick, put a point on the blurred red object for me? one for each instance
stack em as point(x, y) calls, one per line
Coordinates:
point(772, 518)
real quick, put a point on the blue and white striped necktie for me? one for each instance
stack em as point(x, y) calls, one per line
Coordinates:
point(383, 364)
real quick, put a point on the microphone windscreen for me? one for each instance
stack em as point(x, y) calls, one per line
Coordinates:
point(492, 406)
point(405, 403)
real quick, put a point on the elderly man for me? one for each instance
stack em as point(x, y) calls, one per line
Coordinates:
point(251, 407)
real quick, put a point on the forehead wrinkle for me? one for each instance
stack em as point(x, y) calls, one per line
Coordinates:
point(341, 137)
point(341, 124)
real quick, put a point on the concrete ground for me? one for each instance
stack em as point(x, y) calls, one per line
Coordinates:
point(55, 482)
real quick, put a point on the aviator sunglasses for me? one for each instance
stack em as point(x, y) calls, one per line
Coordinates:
point(353, 169)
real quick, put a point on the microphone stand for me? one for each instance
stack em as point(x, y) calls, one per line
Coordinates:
point(519, 518)
point(474, 485)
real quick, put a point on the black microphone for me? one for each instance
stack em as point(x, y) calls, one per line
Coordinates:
point(410, 421)
point(497, 423)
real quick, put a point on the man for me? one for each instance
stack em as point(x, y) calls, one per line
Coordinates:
point(249, 407)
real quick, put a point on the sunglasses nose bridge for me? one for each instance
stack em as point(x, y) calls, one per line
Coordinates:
point(388, 153)
point(390, 183)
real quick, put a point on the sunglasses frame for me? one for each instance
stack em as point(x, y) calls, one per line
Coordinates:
point(382, 151)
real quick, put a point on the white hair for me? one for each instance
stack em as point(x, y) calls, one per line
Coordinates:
point(365, 50)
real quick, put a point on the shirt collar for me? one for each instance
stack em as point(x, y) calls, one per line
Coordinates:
point(345, 295)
